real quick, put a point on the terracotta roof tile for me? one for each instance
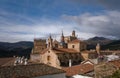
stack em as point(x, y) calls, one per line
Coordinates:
point(29, 71)
point(115, 63)
point(88, 60)
point(78, 69)
point(63, 50)
point(6, 61)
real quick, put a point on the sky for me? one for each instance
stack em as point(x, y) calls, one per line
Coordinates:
point(24, 20)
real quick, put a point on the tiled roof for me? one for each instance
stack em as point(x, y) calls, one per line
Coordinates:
point(60, 50)
point(64, 50)
point(115, 63)
point(28, 71)
point(75, 41)
point(88, 60)
point(78, 69)
point(7, 61)
point(86, 51)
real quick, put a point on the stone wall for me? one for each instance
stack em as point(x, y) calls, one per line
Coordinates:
point(39, 45)
point(50, 58)
point(75, 46)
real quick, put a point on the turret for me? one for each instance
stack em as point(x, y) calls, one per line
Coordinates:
point(62, 37)
point(50, 42)
point(98, 48)
point(73, 33)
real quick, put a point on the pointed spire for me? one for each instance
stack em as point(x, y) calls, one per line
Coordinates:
point(62, 37)
point(50, 42)
point(73, 33)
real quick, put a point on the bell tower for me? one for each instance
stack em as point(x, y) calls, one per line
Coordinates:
point(50, 42)
point(62, 37)
point(73, 33)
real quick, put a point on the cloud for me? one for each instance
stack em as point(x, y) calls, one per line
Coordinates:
point(86, 25)
point(102, 24)
point(111, 4)
point(108, 4)
point(13, 32)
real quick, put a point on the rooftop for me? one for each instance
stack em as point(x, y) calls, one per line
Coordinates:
point(78, 69)
point(64, 50)
point(7, 61)
point(28, 71)
point(116, 63)
point(75, 41)
point(60, 50)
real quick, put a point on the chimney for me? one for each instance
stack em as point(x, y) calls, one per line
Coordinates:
point(15, 63)
point(25, 63)
point(70, 63)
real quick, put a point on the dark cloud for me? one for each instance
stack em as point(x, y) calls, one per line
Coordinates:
point(111, 4)
point(108, 4)
point(102, 24)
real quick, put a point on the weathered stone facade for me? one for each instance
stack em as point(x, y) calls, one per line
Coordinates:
point(39, 46)
point(58, 54)
point(77, 45)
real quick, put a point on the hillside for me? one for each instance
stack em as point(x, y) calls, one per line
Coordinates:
point(104, 42)
point(115, 45)
point(22, 48)
point(91, 43)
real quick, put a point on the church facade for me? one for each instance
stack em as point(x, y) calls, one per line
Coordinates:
point(58, 54)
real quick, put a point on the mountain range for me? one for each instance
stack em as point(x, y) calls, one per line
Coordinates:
point(23, 48)
point(92, 42)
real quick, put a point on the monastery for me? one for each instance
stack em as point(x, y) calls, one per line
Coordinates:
point(67, 52)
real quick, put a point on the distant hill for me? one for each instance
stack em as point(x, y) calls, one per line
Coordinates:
point(115, 45)
point(22, 48)
point(91, 43)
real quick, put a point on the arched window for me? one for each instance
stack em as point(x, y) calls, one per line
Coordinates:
point(73, 46)
point(48, 51)
point(48, 58)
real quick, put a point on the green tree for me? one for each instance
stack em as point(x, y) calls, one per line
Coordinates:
point(115, 75)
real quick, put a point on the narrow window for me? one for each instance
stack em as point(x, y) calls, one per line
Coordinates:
point(48, 58)
point(73, 46)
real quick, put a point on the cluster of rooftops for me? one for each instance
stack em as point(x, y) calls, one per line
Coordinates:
point(38, 69)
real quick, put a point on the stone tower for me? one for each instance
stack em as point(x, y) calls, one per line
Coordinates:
point(73, 33)
point(50, 42)
point(39, 45)
point(98, 48)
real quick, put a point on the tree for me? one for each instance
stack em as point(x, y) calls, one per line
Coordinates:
point(115, 75)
